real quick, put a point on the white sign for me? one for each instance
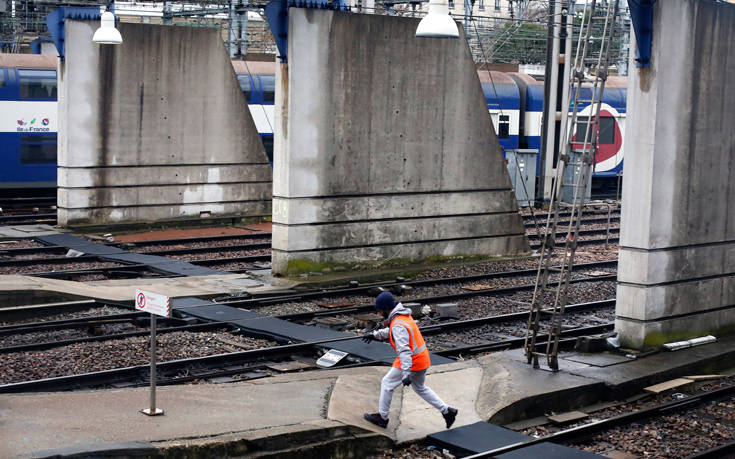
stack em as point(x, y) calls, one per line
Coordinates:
point(331, 358)
point(154, 303)
point(32, 116)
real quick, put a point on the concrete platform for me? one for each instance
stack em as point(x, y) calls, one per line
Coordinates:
point(322, 408)
point(25, 231)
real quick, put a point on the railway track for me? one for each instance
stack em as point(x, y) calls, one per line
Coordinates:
point(82, 267)
point(694, 425)
point(33, 341)
point(235, 363)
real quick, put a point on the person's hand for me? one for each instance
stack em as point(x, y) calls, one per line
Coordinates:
point(369, 337)
point(407, 380)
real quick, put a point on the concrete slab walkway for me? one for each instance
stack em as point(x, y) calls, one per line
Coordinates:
point(13, 286)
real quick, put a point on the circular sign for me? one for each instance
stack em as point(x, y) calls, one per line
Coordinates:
point(140, 300)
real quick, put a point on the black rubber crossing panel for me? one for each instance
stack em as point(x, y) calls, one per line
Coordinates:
point(217, 312)
point(78, 243)
point(158, 263)
point(138, 258)
point(270, 327)
point(164, 264)
point(548, 450)
point(476, 438)
point(185, 269)
point(181, 303)
point(482, 436)
point(280, 328)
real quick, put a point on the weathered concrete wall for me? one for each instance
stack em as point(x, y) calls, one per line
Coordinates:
point(677, 260)
point(384, 151)
point(156, 128)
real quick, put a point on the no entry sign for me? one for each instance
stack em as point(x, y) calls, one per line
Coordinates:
point(154, 303)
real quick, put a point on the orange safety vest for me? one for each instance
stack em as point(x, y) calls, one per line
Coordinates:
point(419, 353)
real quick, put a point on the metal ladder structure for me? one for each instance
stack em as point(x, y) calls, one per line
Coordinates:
point(550, 298)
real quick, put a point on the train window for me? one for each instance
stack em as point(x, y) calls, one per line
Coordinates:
point(2, 78)
point(607, 130)
point(37, 84)
point(246, 86)
point(582, 129)
point(268, 82)
point(606, 134)
point(38, 149)
point(504, 127)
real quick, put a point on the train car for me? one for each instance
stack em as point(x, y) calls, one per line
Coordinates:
point(28, 122)
point(503, 102)
point(515, 102)
point(608, 161)
point(258, 82)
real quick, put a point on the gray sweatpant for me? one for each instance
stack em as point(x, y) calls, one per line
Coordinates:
point(393, 380)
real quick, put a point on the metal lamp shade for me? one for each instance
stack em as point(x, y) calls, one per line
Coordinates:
point(107, 34)
point(437, 23)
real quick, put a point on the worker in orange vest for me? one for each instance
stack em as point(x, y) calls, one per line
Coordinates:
point(410, 366)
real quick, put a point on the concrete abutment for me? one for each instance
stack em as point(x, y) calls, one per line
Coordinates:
point(385, 151)
point(677, 259)
point(155, 129)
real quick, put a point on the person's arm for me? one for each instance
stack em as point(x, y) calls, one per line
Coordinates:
point(382, 334)
point(401, 340)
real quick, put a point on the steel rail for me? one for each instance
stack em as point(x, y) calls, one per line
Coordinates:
point(363, 290)
point(588, 232)
point(225, 248)
point(585, 221)
point(303, 316)
point(515, 343)
point(49, 249)
point(599, 426)
point(5, 219)
point(186, 240)
point(90, 339)
point(89, 258)
point(145, 267)
point(31, 327)
point(725, 450)
point(8, 312)
point(536, 245)
point(543, 215)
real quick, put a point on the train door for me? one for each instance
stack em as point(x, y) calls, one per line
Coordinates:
point(608, 157)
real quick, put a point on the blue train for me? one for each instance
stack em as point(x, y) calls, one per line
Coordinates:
point(28, 124)
point(28, 121)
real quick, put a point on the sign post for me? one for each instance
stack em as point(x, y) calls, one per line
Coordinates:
point(160, 305)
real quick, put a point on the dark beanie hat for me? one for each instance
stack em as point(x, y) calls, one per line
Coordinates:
point(385, 301)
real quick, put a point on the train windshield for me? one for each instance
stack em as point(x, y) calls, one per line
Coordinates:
point(37, 84)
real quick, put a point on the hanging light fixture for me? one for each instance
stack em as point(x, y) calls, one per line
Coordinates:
point(438, 23)
point(107, 34)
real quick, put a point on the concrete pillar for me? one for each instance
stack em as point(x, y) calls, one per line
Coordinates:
point(676, 274)
point(155, 129)
point(385, 152)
